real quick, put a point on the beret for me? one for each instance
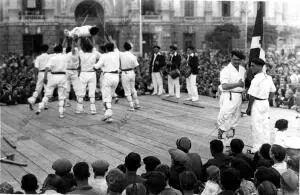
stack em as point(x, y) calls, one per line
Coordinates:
point(184, 144)
point(62, 166)
point(116, 180)
point(290, 180)
point(100, 166)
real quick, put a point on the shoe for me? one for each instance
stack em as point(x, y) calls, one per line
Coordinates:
point(188, 99)
point(93, 112)
point(105, 118)
point(46, 108)
point(68, 104)
point(167, 95)
point(116, 100)
point(30, 106)
point(109, 120)
point(195, 100)
point(78, 112)
point(137, 107)
point(131, 109)
point(38, 112)
point(154, 94)
point(61, 116)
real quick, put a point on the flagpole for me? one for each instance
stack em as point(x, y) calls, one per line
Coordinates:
point(141, 30)
point(246, 26)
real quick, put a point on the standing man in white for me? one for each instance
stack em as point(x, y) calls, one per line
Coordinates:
point(156, 63)
point(40, 63)
point(110, 65)
point(191, 85)
point(57, 65)
point(128, 64)
point(232, 78)
point(261, 89)
point(174, 74)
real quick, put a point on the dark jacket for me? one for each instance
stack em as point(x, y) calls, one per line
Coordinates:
point(158, 63)
point(193, 63)
point(175, 63)
point(132, 177)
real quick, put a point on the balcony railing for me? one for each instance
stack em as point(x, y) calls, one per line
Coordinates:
point(152, 17)
point(32, 17)
point(189, 19)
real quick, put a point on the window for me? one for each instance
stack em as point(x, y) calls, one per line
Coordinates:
point(263, 7)
point(189, 40)
point(32, 7)
point(148, 7)
point(189, 8)
point(226, 8)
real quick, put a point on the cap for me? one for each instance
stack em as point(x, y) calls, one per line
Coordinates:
point(290, 180)
point(133, 159)
point(151, 162)
point(100, 167)
point(178, 156)
point(238, 54)
point(184, 144)
point(258, 61)
point(116, 180)
point(62, 166)
point(156, 46)
point(212, 171)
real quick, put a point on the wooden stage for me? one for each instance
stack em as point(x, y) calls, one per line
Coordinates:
point(154, 129)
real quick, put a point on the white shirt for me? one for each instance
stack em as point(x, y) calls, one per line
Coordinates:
point(229, 74)
point(80, 31)
point(99, 184)
point(109, 62)
point(58, 63)
point(294, 78)
point(73, 61)
point(261, 85)
point(88, 60)
point(280, 167)
point(128, 60)
point(41, 61)
point(286, 139)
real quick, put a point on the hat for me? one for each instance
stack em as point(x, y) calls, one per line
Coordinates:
point(151, 162)
point(238, 54)
point(6, 188)
point(184, 144)
point(281, 124)
point(267, 187)
point(100, 167)
point(62, 166)
point(116, 180)
point(133, 159)
point(178, 156)
point(258, 61)
point(212, 171)
point(289, 180)
point(173, 47)
point(156, 46)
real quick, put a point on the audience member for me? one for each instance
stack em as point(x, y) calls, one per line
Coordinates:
point(29, 184)
point(98, 182)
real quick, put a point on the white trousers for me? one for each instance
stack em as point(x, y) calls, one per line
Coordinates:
point(72, 78)
point(38, 88)
point(157, 83)
point(192, 87)
point(87, 79)
point(260, 123)
point(128, 83)
point(173, 84)
point(110, 83)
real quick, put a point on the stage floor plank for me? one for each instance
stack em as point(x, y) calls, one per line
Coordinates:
point(41, 139)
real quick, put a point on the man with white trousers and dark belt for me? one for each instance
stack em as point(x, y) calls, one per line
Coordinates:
point(174, 74)
point(128, 64)
point(191, 81)
point(232, 78)
point(156, 64)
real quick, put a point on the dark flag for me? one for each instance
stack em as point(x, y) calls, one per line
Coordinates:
point(256, 50)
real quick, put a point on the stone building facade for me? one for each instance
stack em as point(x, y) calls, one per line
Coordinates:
point(25, 24)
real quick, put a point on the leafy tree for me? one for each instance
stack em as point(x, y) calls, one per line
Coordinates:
point(221, 37)
point(270, 35)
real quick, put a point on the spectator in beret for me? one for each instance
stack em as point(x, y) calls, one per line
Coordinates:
point(267, 188)
point(262, 157)
point(132, 163)
point(62, 168)
point(122, 167)
point(267, 174)
point(151, 162)
point(289, 183)
point(236, 148)
point(188, 182)
point(29, 184)
point(6, 188)
point(155, 183)
point(53, 184)
point(136, 189)
point(100, 167)
point(212, 185)
point(165, 169)
point(82, 174)
point(230, 180)
point(194, 159)
point(278, 154)
point(116, 182)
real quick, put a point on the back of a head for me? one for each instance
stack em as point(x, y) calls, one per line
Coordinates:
point(81, 171)
point(230, 179)
point(216, 146)
point(68, 49)
point(29, 183)
point(237, 146)
point(188, 180)
point(267, 174)
point(265, 151)
point(44, 48)
point(165, 169)
point(86, 45)
point(116, 180)
point(136, 189)
point(151, 162)
point(94, 30)
point(53, 181)
point(281, 124)
point(127, 46)
point(156, 182)
point(58, 49)
point(103, 49)
point(243, 167)
point(267, 188)
point(133, 161)
point(109, 47)
point(278, 152)
point(289, 181)
point(184, 144)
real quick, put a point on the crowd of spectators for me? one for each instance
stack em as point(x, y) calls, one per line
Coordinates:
point(18, 76)
point(233, 172)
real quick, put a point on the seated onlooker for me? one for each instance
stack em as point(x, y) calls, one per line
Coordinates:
point(100, 167)
point(188, 182)
point(82, 174)
point(6, 188)
point(236, 148)
point(245, 170)
point(63, 168)
point(278, 154)
point(267, 174)
point(29, 184)
point(136, 189)
point(155, 183)
point(289, 183)
point(116, 182)
point(262, 157)
point(230, 181)
point(165, 169)
point(151, 162)
point(212, 186)
point(132, 163)
point(267, 188)
point(53, 184)
point(185, 145)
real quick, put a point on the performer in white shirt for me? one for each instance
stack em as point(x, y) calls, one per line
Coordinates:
point(232, 78)
point(261, 89)
point(40, 63)
point(110, 65)
point(58, 66)
point(82, 31)
point(128, 63)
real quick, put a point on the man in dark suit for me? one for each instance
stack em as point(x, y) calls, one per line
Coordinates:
point(173, 70)
point(156, 63)
point(192, 61)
